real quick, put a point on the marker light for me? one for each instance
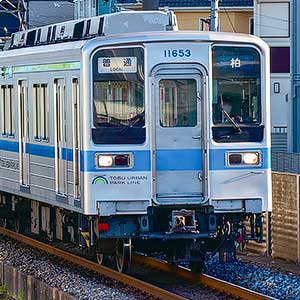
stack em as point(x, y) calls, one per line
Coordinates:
point(251, 158)
point(235, 159)
point(105, 161)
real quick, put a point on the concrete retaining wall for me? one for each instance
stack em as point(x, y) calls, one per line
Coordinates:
point(26, 287)
point(284, 224)
point(285, 216)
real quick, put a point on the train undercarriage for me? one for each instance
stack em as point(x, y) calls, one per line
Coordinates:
point(179, 235)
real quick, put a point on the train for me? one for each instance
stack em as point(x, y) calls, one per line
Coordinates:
point(121, 133)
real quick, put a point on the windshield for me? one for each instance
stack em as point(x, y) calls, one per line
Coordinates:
point(236, 95)
point(118, 96)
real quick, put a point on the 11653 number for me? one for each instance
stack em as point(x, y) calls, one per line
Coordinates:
point(177, 53)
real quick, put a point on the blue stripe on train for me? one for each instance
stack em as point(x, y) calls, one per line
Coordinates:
point(179, 160)
point(167, 160)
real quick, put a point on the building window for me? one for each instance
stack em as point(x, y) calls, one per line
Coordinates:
point(7, 111)
point(204, 24)
point(280, 59)
point(40, 112)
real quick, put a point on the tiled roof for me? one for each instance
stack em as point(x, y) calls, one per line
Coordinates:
point(194, 3)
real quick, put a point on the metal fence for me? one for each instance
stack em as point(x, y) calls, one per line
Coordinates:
point(279, 138)
point(286, 162)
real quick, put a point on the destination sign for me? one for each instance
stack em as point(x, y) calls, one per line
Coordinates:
point(117, 65)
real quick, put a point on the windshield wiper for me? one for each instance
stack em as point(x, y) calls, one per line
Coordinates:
point(235, 125)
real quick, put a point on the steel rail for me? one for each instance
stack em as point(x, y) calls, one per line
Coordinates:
point(206, 280)
point(153, 290)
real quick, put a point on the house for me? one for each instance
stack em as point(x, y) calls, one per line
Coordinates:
point(235, 15)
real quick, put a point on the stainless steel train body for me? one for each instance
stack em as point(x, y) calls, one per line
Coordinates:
point(154, 135)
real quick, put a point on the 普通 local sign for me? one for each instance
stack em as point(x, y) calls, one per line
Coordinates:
point(117, 65)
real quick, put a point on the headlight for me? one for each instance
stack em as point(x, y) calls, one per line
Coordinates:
point(251, 158)
point(243, 158)
point(105, 161)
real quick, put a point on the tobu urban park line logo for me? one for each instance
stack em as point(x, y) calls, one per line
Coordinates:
point(120, 179)
point(100, 180)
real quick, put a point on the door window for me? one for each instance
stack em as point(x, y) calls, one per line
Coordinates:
point(178, 102)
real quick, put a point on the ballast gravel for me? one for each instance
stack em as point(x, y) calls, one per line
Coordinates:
point(81, 284)
point(267, 281)
point(85, 285)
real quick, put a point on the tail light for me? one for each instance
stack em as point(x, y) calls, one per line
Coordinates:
point(103, 226)
point(122, 160)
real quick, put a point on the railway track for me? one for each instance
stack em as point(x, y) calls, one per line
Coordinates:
point(151, 289)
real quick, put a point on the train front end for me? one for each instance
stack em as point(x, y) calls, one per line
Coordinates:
point(177, 146)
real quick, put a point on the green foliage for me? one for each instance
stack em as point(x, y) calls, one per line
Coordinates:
point(3, 290)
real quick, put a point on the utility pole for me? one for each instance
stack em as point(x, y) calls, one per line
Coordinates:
point(214, 15)
point(107, 7)
point(150, 4)
point(104, 7)
point(295, 73)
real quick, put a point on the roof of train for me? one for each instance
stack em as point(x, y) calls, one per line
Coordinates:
point(195, 3)
point(207, 36)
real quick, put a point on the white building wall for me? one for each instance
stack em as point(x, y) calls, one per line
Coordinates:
point(85, 8)
point(271, 23)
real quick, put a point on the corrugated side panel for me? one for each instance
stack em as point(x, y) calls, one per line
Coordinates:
point(284, 216)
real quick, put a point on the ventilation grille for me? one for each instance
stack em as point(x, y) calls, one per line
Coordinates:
point(112, 24)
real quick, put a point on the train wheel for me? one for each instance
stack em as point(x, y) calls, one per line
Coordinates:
point(100, 258)
point(197, 266)
point(3, 222)
point(198, 261)
point(14, 225)
point(123, 255)
point(171, 257)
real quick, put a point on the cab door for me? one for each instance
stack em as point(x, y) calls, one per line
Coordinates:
point(178, 144)
point(60, 137)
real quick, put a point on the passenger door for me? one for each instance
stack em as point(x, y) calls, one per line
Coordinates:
point(178, 156)
point(76, 138)
point(24, 155)
point(60, 137)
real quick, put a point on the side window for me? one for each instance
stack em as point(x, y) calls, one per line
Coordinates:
point(7, 112)
point(40, 112)
point(3, 110)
